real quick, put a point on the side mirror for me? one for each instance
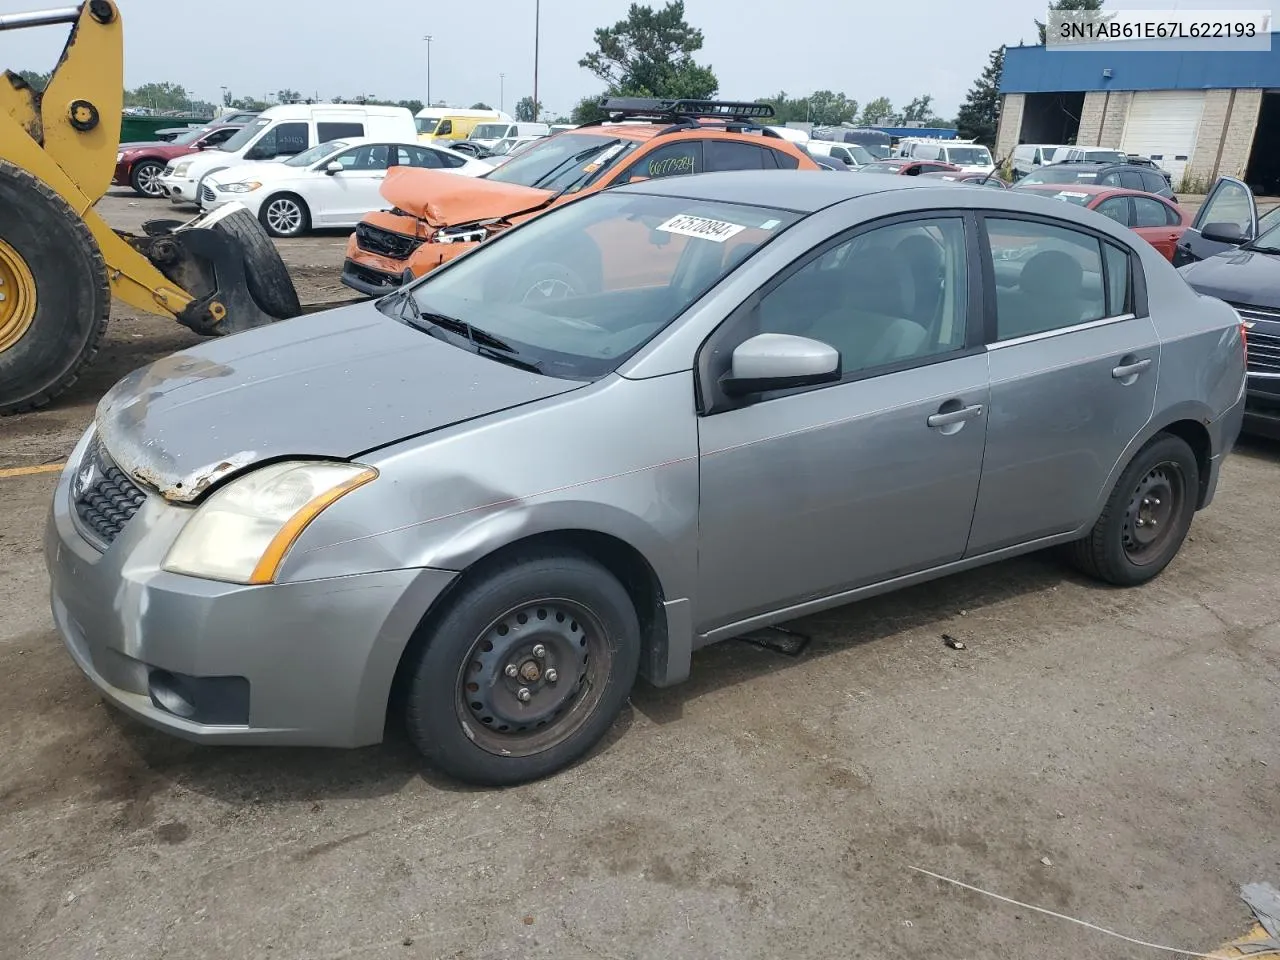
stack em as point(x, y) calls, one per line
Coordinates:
point(332, 167)
point(780, 361)
point(1224, 233)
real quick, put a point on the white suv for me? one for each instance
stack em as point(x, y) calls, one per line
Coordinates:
point(969, 157)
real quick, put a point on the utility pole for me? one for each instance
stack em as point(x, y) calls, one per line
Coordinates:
point(537, 21)
point(502, 92)
point(428, 39)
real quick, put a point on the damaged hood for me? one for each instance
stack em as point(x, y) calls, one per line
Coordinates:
point(447, 199)
point(334, 384)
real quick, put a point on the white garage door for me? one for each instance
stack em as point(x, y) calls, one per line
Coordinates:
point(1162, 125)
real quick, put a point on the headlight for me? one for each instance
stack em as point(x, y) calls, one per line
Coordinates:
point(473, 234)
point(119, 157)
point(243, 531)
point(181, 169)
point(247, 187)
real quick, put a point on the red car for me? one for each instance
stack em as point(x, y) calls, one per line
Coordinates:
point(138, 164)
point(906, 167)
point(1158, 221)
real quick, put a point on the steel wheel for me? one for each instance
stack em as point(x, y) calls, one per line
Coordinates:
point(533, 677)
point(1156, 501)
point(550, 289)
point(17, 296)
point(284, 216)
point(146, 179)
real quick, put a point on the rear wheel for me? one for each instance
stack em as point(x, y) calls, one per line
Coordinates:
point(145, 179)
point(1146, 518)
point(285, 215)
point(526, 670)
point(54, 294)
point(268, 278)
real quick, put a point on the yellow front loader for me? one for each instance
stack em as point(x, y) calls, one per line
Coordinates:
point(60, 263)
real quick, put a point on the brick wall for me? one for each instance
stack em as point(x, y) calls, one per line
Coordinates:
point(1225, 140)
point(1091, 118)
point(1116, 113)
point(1010, 123)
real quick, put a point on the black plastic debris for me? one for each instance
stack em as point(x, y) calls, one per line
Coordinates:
point(953, 643)
point(789, 643)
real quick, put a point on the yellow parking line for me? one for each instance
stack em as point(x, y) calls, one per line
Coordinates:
point(31, 471)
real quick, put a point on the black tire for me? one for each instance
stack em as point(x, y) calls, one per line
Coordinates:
point(142, 179)
point(269, 282)
point(563, 602)
point(1146, 518)
point(552, 281)
point(295, 203)
point(72, 293)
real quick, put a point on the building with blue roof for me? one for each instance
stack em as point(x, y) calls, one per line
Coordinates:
point(1198, 114)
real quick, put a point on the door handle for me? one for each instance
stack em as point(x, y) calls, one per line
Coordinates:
point(952, 417)
point(1127, 370)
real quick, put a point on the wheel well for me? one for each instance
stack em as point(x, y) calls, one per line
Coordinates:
point(617, 556)
point(1197, 438)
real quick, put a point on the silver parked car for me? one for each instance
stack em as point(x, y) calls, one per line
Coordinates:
point(722, 402)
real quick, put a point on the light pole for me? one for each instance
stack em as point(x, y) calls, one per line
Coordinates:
point(428, 39)
point(537, 19)
point(502, 92)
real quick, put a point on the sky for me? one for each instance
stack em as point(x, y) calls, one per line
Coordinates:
point(342, 48)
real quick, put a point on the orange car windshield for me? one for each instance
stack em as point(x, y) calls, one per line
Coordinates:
point(568, 160)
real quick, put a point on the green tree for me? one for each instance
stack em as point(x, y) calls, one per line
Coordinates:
point(413, 106)
point(822, 107)
point(979, 115)
point(587, 110)
point(159, 96)
point(36, 81)
point(1068, 5)
point(650, 54)
point(526, 111)
point(877, 112)
point(481, 106)
point(288, 96)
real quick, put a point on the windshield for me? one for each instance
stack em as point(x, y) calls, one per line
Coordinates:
point(1056, 174)
point(426, 124)
point(569, 160)
point(315, 154)
point(191, 136)
point(489, 131)
point(972, 156)
point(244, 135)
point(579, 289)
point(859, 153)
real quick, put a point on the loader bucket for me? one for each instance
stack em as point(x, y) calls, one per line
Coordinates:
point(228, 265)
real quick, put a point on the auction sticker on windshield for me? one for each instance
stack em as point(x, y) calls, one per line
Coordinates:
point(717, 231)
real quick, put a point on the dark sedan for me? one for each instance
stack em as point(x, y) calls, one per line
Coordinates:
point(1233, 254)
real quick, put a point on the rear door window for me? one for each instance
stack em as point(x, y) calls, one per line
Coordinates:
point(1131, 180)
point(730, 155)
point(1151, 213)
point(1111, 179)
point(338, 131)
point(1117, 208)
point(1153, 182)
point(282, 140)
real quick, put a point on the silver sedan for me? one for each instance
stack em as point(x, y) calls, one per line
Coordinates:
point(649, 420)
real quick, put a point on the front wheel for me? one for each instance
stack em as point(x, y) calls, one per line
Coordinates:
point(285, 216)
point(145, 179)
point(526, 670)
point(1146, 518)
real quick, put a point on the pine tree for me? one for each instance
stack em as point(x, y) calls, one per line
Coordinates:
point(980, 113)
point(1069, 5)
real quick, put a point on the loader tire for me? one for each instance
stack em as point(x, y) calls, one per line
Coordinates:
point(58, 298)
point(268, 277)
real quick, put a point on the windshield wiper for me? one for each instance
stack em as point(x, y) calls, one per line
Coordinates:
point(485, 343)
point(570, 161)
point(511, 358)
point(1265, 248)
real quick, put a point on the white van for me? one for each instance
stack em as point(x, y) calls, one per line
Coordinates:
point(853, 154)
point(1089, 155)
point(488, 134)
point(968, 155)
point(282, 132)
point(428, 118)
point(1028, 156)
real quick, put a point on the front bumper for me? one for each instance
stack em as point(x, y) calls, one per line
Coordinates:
point(376, 274)
point(308, 663)
point(179, 189)
point(121, 177)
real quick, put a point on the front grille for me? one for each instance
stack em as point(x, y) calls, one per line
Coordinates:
point(1263, 339)
point(105, 498)
point(385, 243)
point(207, 195)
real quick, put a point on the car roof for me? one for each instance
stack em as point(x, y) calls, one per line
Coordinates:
point(797, 190)
point(1086, 165)
point(1092, 189)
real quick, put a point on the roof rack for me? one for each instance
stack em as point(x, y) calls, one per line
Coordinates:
point(664, 111)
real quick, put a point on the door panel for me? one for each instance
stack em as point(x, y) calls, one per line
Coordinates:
point(808, 495)
point(1230, 201)
point(347, 196)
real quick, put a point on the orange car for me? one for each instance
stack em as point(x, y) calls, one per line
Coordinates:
point(437, 216)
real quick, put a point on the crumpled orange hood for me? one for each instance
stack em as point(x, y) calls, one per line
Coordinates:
point(448, 199)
